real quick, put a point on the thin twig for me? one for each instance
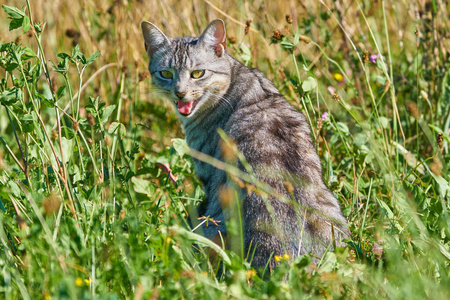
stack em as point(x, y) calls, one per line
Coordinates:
point(229, 17)
point(13, 156)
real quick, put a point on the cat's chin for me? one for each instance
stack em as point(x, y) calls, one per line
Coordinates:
point(186, 108)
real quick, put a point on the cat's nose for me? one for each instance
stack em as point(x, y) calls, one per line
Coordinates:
point(180, 95)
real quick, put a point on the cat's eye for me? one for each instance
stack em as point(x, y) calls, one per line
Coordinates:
point(197, 74)
point(166, 74)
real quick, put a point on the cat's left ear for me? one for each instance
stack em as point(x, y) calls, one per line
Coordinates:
point(214, 36)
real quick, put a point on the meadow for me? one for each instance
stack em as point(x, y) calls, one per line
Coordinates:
point(97, 183)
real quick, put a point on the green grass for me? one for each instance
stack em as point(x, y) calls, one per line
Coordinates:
point(96, 183)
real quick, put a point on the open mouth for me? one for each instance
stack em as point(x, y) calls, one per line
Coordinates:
point(185, 108)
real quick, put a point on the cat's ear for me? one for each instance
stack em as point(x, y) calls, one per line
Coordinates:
point(154, 37)
point(214, 37)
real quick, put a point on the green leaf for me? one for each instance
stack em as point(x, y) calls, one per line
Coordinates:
point(381, 80)
point(11, 66)
point(305, 68)
point(380, 64)
point(113, 127)
point(18, 18)
point(76, 51)
point(67, 132)
point(67, 149)
point(107, 112)
point(82, 58)
point(49, 102)
point(93, 57)
point(181, 146)
point(63, 55)
point(197, 239)
point(390, 214)
point(15, 23)
point(117, 128)
point(27, 123)
point(246, 53)
point(63, 65)
point(444, 186)
point(286, 44)
point(27, 53)
point(10, 96)
point(342, 127)
point(61, 92)
point(296, 38)
point(75, 173)
point(14, 189)
point(92, 110)
point(384, 122)
point(309, 84)
point(360, 139)
point(14, 13)
point(26, 24)
point(143, 186)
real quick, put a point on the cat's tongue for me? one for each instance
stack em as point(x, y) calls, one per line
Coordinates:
point(185, 108)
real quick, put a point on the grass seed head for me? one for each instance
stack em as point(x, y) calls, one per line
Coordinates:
point(51, 203)
point(440, 140)
point(229, 150)
point(231, 39)
point(91, 119)
point(54, 134)
point(108, 141)
point(336, 97)
point(412, 107)
point(2, 162)
point(365, 56)
point(227, 196)
point(21, 223)
point(75, 125)
point(277, 35)
point(289, 187)
point(289, 19)
point(247, 26)
point(436, 166)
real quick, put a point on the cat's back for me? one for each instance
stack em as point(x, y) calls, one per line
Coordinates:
point(267, 129)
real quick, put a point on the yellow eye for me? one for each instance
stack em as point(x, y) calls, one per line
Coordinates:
point(166, 74)
point(197, 74)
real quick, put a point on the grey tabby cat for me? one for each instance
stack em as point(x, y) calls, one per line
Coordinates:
point(212, 90)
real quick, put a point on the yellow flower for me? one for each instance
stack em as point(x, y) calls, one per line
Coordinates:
point(79, 281)
point(168, 240)
point(88, 282)
point(338, 77)
point(278, 258)
point(286, 257)
point(250, 274)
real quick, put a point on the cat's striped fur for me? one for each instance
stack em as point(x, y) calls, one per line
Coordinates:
point(273, 136)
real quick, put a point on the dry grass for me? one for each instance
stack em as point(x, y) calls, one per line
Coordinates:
point(113, 28)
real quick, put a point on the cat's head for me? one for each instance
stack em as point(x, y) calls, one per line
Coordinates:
point(192, 72)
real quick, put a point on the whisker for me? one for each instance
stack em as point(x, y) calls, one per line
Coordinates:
point(227, 101)
point(158, 92)
point(155, 93)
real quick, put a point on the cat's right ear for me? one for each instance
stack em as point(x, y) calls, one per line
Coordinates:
point(154, 38)
point(214, 36)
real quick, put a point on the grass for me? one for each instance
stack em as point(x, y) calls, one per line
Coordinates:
point(96, 183)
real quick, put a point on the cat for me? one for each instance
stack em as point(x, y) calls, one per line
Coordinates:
point(211, 90)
